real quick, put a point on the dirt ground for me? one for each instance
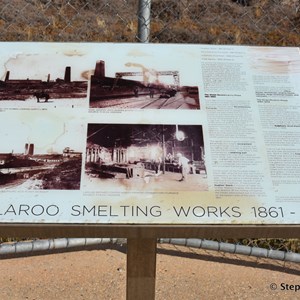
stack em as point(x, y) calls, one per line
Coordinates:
point(182, 273)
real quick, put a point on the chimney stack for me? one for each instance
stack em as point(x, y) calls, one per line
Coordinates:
point(100, 69)
point(31, 149)
point(26, 149)
point(7, 76)
point(68, 74)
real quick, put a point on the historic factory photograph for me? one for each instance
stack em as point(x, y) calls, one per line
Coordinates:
point(42, 81)
point(146, 88)
point(145, 157)
point(39, 152)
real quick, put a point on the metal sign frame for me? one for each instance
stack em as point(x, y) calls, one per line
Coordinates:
point(142, 237)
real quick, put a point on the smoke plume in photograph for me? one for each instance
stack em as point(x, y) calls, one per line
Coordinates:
point(144, 89)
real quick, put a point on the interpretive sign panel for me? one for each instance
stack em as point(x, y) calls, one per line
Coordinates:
point(149, 134)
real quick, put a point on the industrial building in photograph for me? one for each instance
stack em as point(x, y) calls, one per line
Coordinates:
point(159, 157)
point(40, 171)
point(146, 89)
point(42, 91)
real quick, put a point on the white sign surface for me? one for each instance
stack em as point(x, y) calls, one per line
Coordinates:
point(149, 134)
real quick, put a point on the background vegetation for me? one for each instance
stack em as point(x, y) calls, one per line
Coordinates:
point(263, 22)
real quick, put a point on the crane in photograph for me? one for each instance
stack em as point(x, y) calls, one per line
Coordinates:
point(149, 75)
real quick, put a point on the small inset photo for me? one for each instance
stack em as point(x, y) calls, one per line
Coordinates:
point(42, 80)
point(145, 157)
point(39, 152)
point(145, 89)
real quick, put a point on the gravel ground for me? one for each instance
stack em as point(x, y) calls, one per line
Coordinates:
point(182, 273)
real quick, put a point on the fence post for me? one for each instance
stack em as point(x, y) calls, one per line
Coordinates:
point(144, 14)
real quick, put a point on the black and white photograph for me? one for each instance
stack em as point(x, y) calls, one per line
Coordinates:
point(145, 157)
point(141, 87)
point(39, 152)
point(43, 80)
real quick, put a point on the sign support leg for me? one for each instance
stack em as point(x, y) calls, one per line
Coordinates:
point(141, 269)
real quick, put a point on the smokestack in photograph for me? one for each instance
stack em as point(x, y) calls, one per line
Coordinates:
point(26, 149)
point(7, 76)
point(31, 149)
point(68, 74)
point(48, 78)
point(100, 69)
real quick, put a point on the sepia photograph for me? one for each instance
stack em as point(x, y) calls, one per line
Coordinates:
point(41, 81)
point(39, 152)
point(146, 88)
point(145, 157)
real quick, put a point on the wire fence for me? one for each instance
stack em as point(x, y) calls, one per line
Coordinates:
point(247, 22)
point(77, 20)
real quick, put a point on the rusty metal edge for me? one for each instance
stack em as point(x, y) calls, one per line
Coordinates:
point(148, 231)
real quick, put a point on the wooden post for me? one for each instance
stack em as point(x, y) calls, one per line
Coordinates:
point(141, 268)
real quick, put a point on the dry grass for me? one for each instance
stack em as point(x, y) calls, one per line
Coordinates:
point(267, 22)
point(68, 21)
point(264, 22)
